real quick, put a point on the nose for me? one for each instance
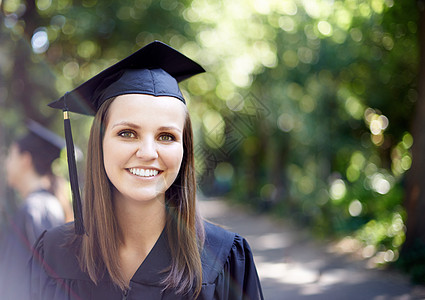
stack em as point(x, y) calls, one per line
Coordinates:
point(147, 149)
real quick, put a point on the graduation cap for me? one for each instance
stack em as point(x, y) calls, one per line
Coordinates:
point(43, 145)
point(155, 69)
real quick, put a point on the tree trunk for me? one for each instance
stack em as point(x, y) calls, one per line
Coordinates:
point(414, 201)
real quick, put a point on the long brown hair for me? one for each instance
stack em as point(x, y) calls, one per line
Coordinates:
point(184, 227)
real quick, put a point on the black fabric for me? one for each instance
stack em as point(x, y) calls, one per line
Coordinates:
point(43, 145)
point(40, 211)
point(154, 70)
point(155, 82)
point(73, 179)
point(228, 271)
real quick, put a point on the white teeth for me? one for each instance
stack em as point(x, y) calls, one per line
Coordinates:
point(143, 172)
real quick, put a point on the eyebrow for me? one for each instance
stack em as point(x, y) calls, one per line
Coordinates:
point(124, 123)
point(166, 128)
point(132, 125)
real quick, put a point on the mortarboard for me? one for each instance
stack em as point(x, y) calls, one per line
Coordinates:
point(155, 69)
point(43, 145)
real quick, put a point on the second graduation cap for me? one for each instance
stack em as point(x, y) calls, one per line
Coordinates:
point(44, 145)
point(155, 69)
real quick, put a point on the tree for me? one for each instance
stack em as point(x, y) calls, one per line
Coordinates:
point(413, 253)
point(305, 110)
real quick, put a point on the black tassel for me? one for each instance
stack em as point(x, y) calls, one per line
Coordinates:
point(73, 176)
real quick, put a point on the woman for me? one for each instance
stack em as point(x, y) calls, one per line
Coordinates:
point(142, 237)
point(29, 173)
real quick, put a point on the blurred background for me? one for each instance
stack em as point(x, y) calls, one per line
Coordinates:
point(310, 110)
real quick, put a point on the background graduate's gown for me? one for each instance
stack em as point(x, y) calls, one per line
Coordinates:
point(228, 271)
point(39, 211)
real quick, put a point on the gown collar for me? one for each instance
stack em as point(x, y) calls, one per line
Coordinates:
point(152, 270)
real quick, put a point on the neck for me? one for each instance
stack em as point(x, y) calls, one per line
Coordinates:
point(141, 223)
point(31, 183)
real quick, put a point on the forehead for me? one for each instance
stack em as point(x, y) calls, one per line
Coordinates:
point(14, 152)
point(14, 148)
point(141, 108)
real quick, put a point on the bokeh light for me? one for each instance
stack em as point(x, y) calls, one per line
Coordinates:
point(40, 40)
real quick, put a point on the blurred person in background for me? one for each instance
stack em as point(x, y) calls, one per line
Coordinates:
point(45, 203)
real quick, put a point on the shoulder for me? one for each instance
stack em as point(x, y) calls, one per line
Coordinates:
point(229, 270)
point(55, 239)
point(42, 202)
point(222, 248)
point(218, 237)
point(39, 198)
point(55, 249)
point(221, 241)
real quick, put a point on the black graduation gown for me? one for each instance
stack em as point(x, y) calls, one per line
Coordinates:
point(228, 271)
point(39, 211)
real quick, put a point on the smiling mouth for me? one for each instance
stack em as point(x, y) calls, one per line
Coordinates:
point(143, 172)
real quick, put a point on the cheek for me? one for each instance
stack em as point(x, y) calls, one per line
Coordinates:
point(111, 148)
point(175, 158)
point(179, 164)
point(9, 163)
point(179, 158)
point(9, 172)
point(12, 163)
point(13, 171)
point(112, 155)
point(106, 150)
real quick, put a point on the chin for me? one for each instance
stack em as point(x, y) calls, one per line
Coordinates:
point(147, 197)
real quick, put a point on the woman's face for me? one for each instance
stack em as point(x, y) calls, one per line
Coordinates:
point(143, 145)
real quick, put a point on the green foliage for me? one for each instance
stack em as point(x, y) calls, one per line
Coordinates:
point(336, 83)
point(304, 111)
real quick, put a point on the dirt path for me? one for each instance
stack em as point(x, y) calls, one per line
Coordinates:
point(293, 266)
